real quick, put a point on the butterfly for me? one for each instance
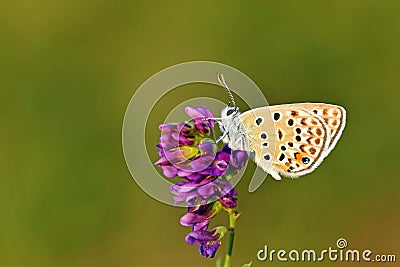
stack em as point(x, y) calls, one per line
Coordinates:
point(284, 140)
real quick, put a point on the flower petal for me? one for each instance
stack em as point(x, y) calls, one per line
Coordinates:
point(205, 111)
point(222, 155)
point(207, 146)
point(203, 127)
point(167, 128)
point(197, 113)
point(189, 219)
point(208, 249)
point(218, 168)
point(202, 162)
point(195, 177)
point(198, 237)
point(238, 159)
point(201, 226)
point(169, 171)
point(228, 202)
point(206, 191)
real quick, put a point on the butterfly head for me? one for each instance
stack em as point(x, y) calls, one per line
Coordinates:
point(228, 116)
point(229, 112)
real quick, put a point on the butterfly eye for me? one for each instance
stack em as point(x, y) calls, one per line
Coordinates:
point(229, 112)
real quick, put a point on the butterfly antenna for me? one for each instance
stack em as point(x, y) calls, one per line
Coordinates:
point(221, 81)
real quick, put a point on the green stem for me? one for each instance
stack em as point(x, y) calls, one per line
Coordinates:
point(232, 225)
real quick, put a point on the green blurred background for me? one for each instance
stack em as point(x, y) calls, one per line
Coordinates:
point(69, 68)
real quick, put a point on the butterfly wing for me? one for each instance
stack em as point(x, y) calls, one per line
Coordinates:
point(334, 117)
point(297, 138)
point(260, 134)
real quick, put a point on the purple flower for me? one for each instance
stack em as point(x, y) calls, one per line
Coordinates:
point(200, 216)
point(197, 221)
point(206, 189)
point(187, 147)
point(229, 201)
point(208, 241)
point(238, 159)
point(208, 249)
point(188, 150)
point(198, 237)
point(221, 162)
point(200, 113)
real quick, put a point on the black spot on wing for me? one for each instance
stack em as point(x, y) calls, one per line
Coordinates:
point(280, 134)
point(305, 160)
point(302, 148)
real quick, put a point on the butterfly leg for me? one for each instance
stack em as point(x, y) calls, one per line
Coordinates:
point(219, 139)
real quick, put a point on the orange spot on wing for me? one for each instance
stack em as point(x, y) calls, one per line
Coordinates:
point(299, 156)
point(282, 167)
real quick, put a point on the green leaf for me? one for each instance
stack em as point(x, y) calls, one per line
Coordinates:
point(247, 264)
